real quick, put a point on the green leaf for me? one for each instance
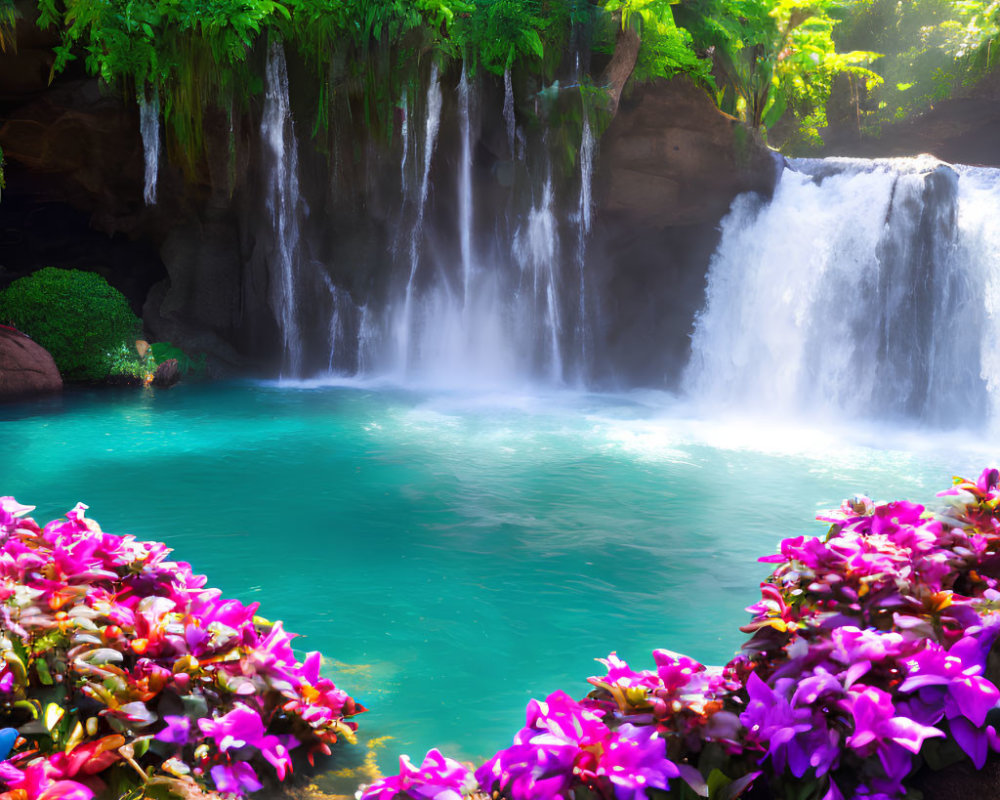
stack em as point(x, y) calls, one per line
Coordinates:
point(42, 668)
point(775, 111)
point(717, 781)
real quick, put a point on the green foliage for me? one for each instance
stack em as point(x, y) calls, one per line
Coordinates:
point(666, 48)
point(8, 19)
point(164, 351)
point(774, 56)
point(125, 362)
point(498, 32)
point(766, 61)
point(81, 320)
point(932, 49)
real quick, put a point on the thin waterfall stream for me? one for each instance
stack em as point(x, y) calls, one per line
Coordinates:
point(432, 125)
point(282, 199)
point(465, 190)
point(149, 129)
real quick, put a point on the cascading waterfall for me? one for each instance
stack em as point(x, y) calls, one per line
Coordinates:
point(863, 289)
point(405, 137)
point(149, 130)
point(482, 298)
point(433, 123)
point(281, 163)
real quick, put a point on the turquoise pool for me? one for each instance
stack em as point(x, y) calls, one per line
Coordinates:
point(455, 555)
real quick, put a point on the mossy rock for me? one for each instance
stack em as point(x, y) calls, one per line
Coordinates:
point(75, 315)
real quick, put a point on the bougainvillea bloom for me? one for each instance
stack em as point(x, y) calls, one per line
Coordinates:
point(168, 681)
point(437, 778)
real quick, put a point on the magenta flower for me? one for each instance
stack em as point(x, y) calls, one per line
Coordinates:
point(236, 778)
point(564, 744)
point(241, 727)
point(176, 731)
point(951, 683)
point(37, 784)
point(791, 732)
point(437, 778)
point(635, 760)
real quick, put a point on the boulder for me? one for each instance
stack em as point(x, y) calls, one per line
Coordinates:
point(26, 367)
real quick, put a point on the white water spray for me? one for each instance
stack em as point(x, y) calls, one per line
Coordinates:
point(149, 129)
point(281, 162)
point(341, 308)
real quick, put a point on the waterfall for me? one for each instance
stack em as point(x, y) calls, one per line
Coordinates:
point(508, 112)
point(405, 136)
point(465, 189)
point(403, 328)
point(277, 133)
point(536, 247)
point(475, 309)
point(149, 129)
point(342, 312)
point(863, 289)
point(368, 338)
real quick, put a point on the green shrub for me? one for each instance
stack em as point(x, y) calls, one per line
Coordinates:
point(81, 320)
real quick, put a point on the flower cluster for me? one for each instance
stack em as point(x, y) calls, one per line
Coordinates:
point(869, 655)
point(118, 667)
point(564, 744)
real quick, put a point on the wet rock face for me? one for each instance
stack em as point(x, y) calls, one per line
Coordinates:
point(26, 368)
point(669, 166)
point(671, 158)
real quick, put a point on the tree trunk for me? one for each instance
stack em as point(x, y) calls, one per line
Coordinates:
point(621, 65)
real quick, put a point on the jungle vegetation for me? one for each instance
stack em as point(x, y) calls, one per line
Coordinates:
point(765, 61)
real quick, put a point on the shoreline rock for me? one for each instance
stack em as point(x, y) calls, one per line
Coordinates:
point(26, 368)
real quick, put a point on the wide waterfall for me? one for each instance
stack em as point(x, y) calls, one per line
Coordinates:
point(863, 289)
